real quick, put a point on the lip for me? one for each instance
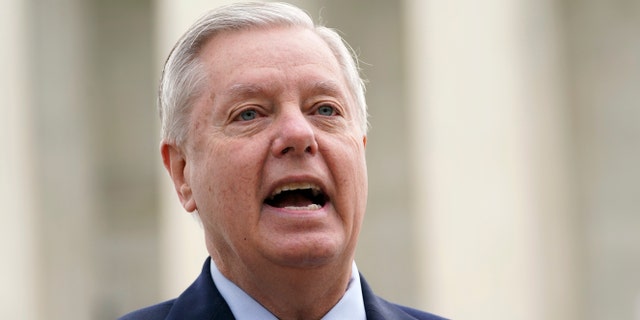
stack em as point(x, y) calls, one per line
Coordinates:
point(289, 213)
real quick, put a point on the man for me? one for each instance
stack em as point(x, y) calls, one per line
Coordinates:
point(264, 133)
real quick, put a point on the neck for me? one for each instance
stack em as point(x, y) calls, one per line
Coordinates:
point(292, 292)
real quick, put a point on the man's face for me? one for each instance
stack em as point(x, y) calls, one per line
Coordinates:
point(274, 161)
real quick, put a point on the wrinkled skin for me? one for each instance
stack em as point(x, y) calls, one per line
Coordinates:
point(276, 112)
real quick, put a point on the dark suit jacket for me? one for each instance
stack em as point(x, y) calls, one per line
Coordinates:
point(202, 300)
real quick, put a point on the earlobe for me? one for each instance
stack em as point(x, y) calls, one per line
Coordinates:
point(177, 166)
point(186, 197)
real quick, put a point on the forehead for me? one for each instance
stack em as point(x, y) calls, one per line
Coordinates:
point(255, 53)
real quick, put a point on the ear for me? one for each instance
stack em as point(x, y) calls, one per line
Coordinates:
point(177, 165)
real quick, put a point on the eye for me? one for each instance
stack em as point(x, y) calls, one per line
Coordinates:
point(247, 115)
point(326, 110)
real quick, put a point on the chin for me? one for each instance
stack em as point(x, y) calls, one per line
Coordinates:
point(308, 252)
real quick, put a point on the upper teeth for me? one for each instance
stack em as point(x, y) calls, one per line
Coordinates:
point(297, 186)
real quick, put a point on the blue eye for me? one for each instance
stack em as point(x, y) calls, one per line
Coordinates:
point(248, 115)
point(326, 110)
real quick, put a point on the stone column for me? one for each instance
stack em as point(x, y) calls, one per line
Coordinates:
point(17, 239)
point(491, 196)
point(62, 162)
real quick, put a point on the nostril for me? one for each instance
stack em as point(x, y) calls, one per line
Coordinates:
point(287, 149)
point(308, 149)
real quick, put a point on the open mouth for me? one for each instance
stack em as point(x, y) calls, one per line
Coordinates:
point(297, 196)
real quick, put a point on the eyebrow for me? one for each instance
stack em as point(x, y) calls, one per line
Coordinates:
point(244, 89)
point(327, 87)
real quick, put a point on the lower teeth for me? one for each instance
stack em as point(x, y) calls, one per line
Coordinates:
point(309, 207)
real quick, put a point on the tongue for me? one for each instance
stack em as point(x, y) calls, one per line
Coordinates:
point(292, 199)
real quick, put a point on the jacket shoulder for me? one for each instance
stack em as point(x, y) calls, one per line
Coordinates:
point(378, 308)
point(154, 312)
point(201, 300)
point(419, 314)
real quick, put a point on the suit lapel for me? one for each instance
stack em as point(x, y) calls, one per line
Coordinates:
point(201, 301)
point(378, 308)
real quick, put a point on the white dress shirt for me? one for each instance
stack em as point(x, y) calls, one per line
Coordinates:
point(244, 307)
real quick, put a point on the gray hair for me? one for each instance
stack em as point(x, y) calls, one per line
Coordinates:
point(183, 76)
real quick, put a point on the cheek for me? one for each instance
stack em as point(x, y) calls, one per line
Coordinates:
point(227, 175)
point(223, 195)
point(354, 160)
point(349, 170)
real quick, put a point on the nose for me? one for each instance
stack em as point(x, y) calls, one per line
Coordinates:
point(294, 135)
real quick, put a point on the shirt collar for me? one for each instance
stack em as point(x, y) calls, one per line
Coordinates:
point(244, 307)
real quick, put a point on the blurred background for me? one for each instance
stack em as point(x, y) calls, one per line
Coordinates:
point(503, 156)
